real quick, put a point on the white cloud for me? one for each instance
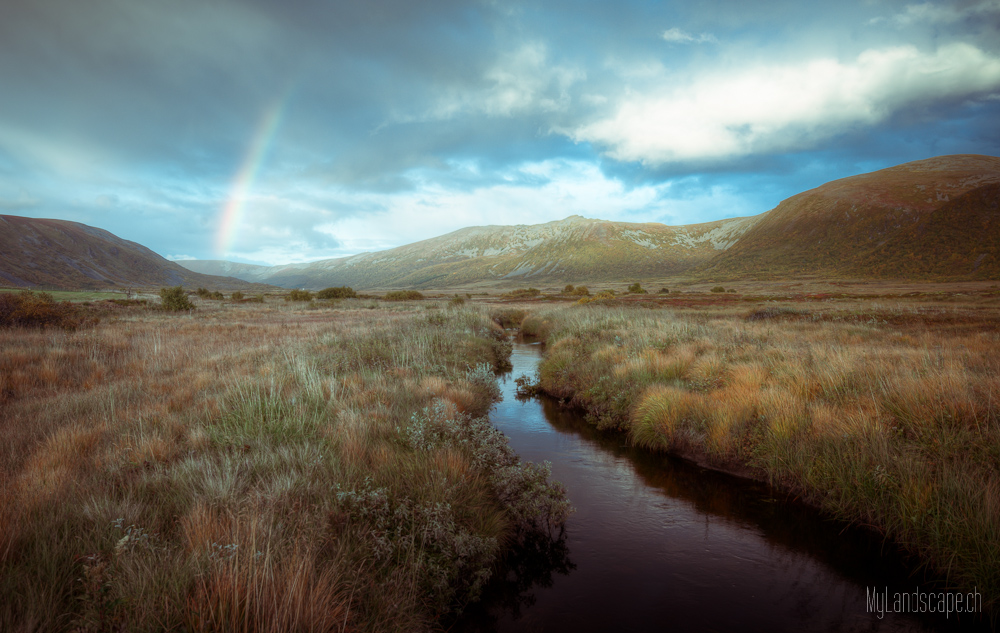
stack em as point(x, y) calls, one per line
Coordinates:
point(523, 79)
point(179, 258)
point(677, 36)
point(776, 108)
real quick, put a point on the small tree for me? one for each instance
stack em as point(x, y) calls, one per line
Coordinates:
point(175, 299)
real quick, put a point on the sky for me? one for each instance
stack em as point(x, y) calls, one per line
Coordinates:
point(280, 132)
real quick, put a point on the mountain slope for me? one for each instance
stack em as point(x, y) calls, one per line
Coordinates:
point(961, 238)
point(574, 249)
point(62, 254)
point(841, 227)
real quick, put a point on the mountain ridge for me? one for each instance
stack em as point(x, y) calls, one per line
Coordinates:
point(65, 254)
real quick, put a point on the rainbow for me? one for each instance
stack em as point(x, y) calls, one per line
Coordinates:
point(233, 210)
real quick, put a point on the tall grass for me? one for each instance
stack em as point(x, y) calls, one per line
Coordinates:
point(892, 426)
point(251, 469)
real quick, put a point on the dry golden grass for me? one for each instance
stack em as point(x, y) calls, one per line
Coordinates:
point(885, 411)
point(229, 470)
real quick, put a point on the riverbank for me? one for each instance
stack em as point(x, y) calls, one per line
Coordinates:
point(881, 414)
point(252, 467)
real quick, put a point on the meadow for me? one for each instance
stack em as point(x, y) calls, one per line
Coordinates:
point(881, 410)
point(257, 466)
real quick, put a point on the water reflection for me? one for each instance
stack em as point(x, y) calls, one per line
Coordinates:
point(658, 543)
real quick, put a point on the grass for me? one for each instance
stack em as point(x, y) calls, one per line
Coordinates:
point(881, 412)
point(257, 467)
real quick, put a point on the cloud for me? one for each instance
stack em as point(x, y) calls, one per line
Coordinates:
point(677, 36)
point(522, 79)
point(787, 107)
point(931, 13)
point(179, 258)
point(18, 202)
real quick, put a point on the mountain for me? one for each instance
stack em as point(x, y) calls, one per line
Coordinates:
point(571, 250)
point(961, 238)
point(929, 218)
point(61, 254)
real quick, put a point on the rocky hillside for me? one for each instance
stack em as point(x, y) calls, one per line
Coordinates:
point(567, 251)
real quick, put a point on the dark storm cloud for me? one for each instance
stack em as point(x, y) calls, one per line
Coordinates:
point(140, 117)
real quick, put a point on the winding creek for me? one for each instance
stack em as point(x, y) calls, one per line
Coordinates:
point(660, 544)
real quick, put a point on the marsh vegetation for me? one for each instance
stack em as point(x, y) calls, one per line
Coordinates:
point(257, 467)
point(883, 412)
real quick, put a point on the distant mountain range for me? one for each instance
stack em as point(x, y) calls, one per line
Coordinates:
point(575, 249)
point(61, 254)
point(930, 219)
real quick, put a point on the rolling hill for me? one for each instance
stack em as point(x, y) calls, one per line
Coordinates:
point(62, 254)
point(573, 250)
point(878, 224)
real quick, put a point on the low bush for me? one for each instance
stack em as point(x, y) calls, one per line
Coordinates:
point(299, 295)
point(664, 291)
point(339, 292)
point(403, 295)
point(205, 293)
point(636, 289)
point(524, 292)
point(37, 309)
point(175, 299)
point(718, 289)
point(237, 296)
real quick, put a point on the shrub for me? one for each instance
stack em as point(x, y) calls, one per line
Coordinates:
point(30, 309)
point(175, 299)
point(524, 292)
point(636, 289)
point(257, 299)
point(568, 290)
point(718, 289)
point(605, 297)
point(299, 295)
point(457, 301)
point(507, 317)
point(237, 296)
point(664, 291)
point(340, 292)
point(403, 295)
point(581, 291)
point(205, 293)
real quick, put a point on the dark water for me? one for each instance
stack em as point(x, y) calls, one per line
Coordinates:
point(659, 544)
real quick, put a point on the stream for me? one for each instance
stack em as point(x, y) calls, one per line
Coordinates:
point(657, 543)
